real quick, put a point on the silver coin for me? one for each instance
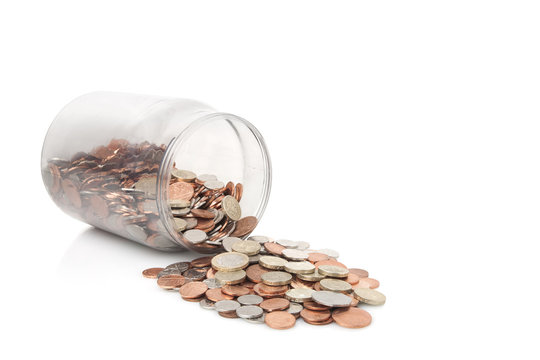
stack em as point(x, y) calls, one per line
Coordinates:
point(250, 299)
point(179, 204)
point(299, 267)
point(272, 262)
point(249, 312)
point(254, 259)
point(219, 215)
point(228, 242)
point(248, 247)
point(218, 243)
point(261, 239)
point(180, 225)
point(147, 185)
point(226, 305)
point(180, 266)
point(299, 295)
point(195, 236)
point(332, 253)
point(214, 184)
point(136, 233)
point(295, 308)
point(294, 254)
point(335, 285)
point(184, 175)
point(212, 283)
point(206, 177)
point(332, 299)
point(275, 278)
point(180, 212)
point(231, 207)
point(289, 244)
point(302, 245)
point(259, 320)
point(333, 271)
point(230, 277)
point(207, 304)
point(191, 223)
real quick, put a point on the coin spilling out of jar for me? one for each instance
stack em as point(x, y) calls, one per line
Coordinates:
point(255, 282)
point(116, 186)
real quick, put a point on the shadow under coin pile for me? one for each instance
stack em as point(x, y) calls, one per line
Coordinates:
point(274, 282)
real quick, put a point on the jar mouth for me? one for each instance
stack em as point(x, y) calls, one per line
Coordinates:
point(250, 146)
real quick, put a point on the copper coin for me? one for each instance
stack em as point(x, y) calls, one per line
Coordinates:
point(169, 282)
point(329, 262)
point(238, 191)
point(254, 273)
point(248, 284)
point(229, 188)
point(280, 320)
point(315, 316)
point(274, 304)
point(352, 279)
point(72, 193)
point(351, 317)
point(317, 286)
point(216, 295)
point(201, 262)
point(314, 257)
point(204, 224)
point(273, 248)
point(324, 322)
point(211, 273)
point(229, 315)
point(367, 283)
point(194, 299)
point(301, 284)
point(268, 289)
point(244, 226)
point(151, 273)
point(201, 213)
point(359, 272)
point(235, 290)
point(180, 191)
point(193, 290)
point(312, 305)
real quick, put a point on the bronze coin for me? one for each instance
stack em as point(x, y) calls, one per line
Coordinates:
point(314, 257)
point(244, 226)
point(351, 317)
point(280, 320)
point(352, 279)
point(201, 213)
point(228, 314)
point(235, 290)
point(216, 295)
point(229, 188)
point(324, 322)
point(275, 304)
point(72, 193)
point(211, 273)
point(238, 191)
point(367, 283)
point(329, 262)
point(301, 284)
point(268, 289)
point(193, 290)
point(248, 284)
point(273, 248)
point(204, 224)
point(315, 316)
point(151, 273)
point(201, 262)
point(180, 191)
point(317, 286)
point(359, 272)
point(169, 282)
point(254, 273)
point(312, 305)
point(194, 299)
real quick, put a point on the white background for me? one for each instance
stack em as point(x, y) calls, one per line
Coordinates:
point(404, 134)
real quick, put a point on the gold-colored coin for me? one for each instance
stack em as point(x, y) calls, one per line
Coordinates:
point(231, 207)
point(230, 277)
point(248, 247)
point(369, 296)
point(313, 277)
point(274, 278)
point(272, 262)
point(335, 285)
point(299, 267)
point(230, 261)
point(333, 271)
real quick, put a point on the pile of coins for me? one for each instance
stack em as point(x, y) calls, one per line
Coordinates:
point(275, 283)
point(114, 188)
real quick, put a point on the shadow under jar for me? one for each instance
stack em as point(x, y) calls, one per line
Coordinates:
point(169, 173)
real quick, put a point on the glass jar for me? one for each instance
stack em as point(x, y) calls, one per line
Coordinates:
point(156, 170)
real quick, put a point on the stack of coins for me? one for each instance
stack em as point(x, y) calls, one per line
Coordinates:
point(274, 282)
point(114, 187)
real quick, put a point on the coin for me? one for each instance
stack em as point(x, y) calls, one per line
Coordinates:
point(147, 184)
point(244, 226)
point(228, 242)
point(235, 290)
point(195, 236)
point(193, 290)
point(179, 204)
point(204, 261)
point(280, 320)
point(315, 257)
point(315, 316)
point(351, 317)
point(331, 262)
point(299, 295)
point(299, 267)
point(191, 223)
point(227, 305)
point(196, 274)
point(184, 175)
point(248, 247)
point(231, 261)
point(152, 273)
point(295, 309)
point(274, 304)
point(332, 299)
point(206, 177)
point(369, 296)
point(249, 312)
point(260, 239)
point(333, 271)
point(274, 248)
point(201, 213)
point(331, 253)
point(276, 278)
point(294, 254)
point(314, 276)
point(180, 191)
point(214, 184)
point(259, 320)
point(254, 259)
point(312, 305)
point(290, 244)
point(250, 299)
point(231, 208)
point(180, 224)
point(216, 295)
point(302, 245)
point(230, 277)
point(352, 279)
point(367, 283)
point(266, 290)
point(359, 272)
point(169, 282)
point(272, 262)
point(212, 283)
point(180, 212)
point(254, 273)
point(207, 304)
point(335, 285)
